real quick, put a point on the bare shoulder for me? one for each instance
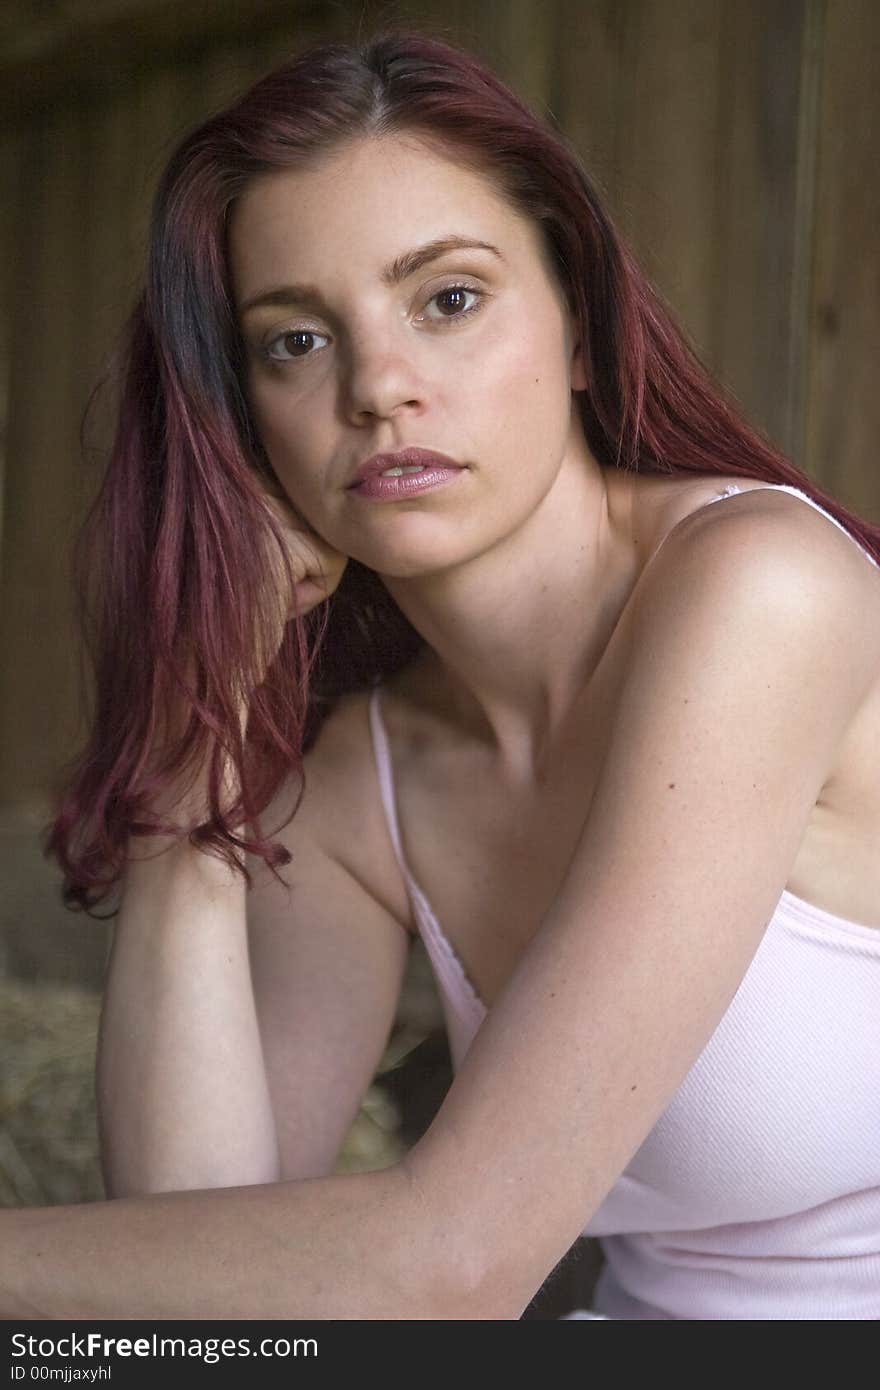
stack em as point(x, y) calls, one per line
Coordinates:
point(764, 567)
point(341, 807)
point(773, 529)
point(753, 645)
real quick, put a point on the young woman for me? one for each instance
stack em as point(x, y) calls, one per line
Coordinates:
point(418, 491)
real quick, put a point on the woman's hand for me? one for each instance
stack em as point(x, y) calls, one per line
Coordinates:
point(316, 568)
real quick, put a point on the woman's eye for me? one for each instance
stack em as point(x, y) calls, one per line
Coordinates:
point(452, 301)
point(295, 343)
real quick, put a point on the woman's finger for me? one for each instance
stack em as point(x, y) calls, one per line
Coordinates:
point(317, 567)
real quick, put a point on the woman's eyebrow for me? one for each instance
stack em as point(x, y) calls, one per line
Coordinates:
point(400, 269)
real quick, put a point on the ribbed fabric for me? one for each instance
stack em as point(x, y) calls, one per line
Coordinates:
point(757, 1193)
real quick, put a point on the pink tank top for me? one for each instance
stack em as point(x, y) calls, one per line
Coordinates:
point(757, 1193)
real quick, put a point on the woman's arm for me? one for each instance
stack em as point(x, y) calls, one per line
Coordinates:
point(755, 641)
point(185, 1103)
point(181, 1090)
point(327, 962)
point(236, 1052)
point(353, 1246)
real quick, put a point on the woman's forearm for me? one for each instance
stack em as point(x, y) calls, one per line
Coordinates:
point(182, 1094)
point(354, 1246)
point(183, 1100)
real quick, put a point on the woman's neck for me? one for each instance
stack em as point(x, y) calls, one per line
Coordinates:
point(516, 633)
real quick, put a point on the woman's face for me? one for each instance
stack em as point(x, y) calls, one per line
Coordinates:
point(466, 350)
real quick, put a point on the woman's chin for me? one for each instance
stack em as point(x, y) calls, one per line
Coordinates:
point(399, 569)
point(411, 559)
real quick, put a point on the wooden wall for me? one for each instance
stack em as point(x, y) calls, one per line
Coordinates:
point(737, 141)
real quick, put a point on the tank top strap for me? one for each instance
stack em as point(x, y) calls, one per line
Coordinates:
point(729, 491)
point(461, 1001)
point(385, 770)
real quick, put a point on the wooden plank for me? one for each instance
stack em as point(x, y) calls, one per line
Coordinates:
point(519, 40)
point(37, 678)
point(692, 115)
point(665, 151)
point(65, 57)
point(761, 189)
point(10, 157)
point(843, 415)
point(639, 97)
point(589, 71)
point(803, 231)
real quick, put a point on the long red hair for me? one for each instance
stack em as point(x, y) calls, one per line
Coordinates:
point(173, 565)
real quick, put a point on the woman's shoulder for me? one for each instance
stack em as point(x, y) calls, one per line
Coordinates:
point(765, 561)
point(788, 527)
point(770, 536)
point(685, 496)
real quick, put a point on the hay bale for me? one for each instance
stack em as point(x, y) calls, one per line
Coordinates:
point(48, 1135)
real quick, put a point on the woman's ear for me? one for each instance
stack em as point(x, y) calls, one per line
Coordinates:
point(579, 381)
point(577, 367)
point(578, 371)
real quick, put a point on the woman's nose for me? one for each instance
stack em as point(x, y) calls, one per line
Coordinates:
point(381, 379)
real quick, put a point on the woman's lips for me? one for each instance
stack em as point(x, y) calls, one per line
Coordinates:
point(412, 470)
point(385, 489)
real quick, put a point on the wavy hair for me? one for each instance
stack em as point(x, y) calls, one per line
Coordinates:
point(174, 564)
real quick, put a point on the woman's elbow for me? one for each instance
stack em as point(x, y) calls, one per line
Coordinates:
point(460, 1278)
